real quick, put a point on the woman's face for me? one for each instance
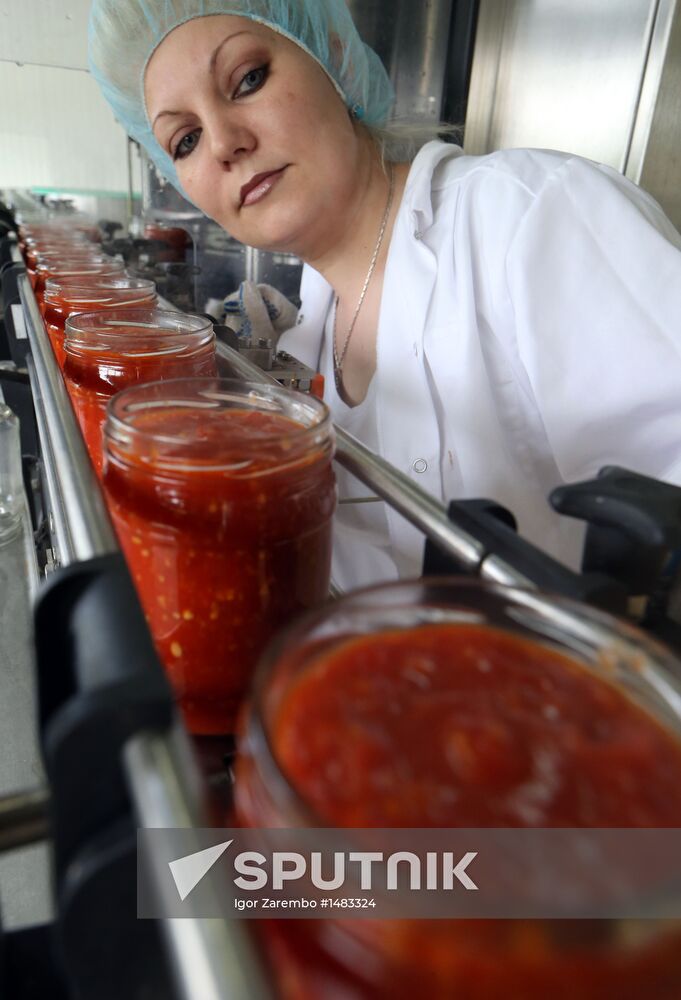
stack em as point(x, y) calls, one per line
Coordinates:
point(261, 140)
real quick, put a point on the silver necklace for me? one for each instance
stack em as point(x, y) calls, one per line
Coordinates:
point(339, 359)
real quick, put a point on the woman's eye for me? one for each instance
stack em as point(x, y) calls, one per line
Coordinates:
point(186, 145)
point(252, 81)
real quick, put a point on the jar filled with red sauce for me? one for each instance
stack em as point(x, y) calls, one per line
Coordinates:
point(36, 236)
point(65, 248)
point(455, 705)
point(32, 233)
point(67, 296)
point(99, 268)
point(107, 351)
point(222, 494)
point(55, 253)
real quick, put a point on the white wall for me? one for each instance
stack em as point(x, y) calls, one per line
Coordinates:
point(56, 131)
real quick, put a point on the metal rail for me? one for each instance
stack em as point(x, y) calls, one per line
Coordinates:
point(81, 519)
point(213, 960)
point(60, 531)
point(412, 502)
point(24, 818)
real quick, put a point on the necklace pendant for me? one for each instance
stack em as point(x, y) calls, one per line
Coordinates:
point(339, 356)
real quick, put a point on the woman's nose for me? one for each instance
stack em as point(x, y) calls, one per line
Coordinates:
point(228, 138)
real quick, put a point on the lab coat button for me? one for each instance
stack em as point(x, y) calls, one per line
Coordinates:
point(420, 465)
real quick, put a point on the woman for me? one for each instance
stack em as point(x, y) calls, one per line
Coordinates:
point(493, 326)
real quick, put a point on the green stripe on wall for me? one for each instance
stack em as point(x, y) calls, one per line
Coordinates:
point(85, 193)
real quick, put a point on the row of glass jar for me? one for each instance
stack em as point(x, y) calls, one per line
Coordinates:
point(222, 493)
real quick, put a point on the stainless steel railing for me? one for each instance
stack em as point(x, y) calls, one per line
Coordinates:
point(82, 526)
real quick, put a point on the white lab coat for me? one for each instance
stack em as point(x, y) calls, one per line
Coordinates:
point(529, 334)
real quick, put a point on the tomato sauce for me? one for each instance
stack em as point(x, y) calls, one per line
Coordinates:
point(224, 517)
point(500, 732)
point(77, 268)
point(76, 295)
point(103, 360)
point(461, 725)
point(66, 249)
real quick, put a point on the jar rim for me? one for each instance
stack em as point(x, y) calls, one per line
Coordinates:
point(149, 331)
point(46, 260)
point(76, 269)
point(55, 236)
point(53, 246)
point(652, 663)
point(71, 285)
point(211, 393)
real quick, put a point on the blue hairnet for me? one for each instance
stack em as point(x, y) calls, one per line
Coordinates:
point(123, 35)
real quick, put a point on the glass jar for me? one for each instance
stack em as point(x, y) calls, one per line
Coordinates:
point(84, 269)
point(66, 248)
point(32, 238)
point(444, 704)
point(222, 494)
point(107, 351)
point(69, 296)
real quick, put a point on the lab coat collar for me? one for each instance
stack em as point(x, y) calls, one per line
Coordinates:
point(422, 183)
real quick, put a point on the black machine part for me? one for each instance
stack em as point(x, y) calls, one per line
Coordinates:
point(634, 524)
point(98, 685)
point(494, 526)
point(632, 547)
point(634, 534)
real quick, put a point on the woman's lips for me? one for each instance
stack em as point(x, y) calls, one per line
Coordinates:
point(259, 186)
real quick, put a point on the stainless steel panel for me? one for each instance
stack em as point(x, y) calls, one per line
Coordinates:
point(561, 74)
point(650, 85)
point(411, 38)
point(655, 158)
